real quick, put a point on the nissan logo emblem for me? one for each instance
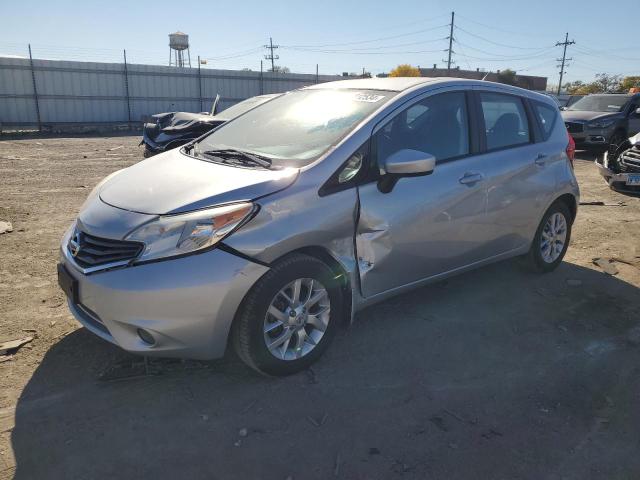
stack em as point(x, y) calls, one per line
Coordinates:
point(74, 244)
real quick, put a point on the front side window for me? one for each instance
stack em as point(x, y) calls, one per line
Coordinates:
point(437, 125)
point(298, 127)
point(505, 120)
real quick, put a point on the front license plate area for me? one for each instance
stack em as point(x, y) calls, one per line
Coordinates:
point(633, 180)
point(68, 284)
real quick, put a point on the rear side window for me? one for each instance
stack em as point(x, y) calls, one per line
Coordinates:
point(547, 116)
point(505, 120)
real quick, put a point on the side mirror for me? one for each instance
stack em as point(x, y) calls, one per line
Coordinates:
point(405, 163)
point(409, 163)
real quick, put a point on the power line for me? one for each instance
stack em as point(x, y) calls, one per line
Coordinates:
point(360, 42)
point(564, 44)
point(521, 56)
point(500, 44)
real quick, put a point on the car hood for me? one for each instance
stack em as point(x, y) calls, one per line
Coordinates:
point(174, 182)
point(584, 116)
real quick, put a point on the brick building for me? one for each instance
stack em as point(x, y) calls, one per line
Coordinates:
point(525, 81)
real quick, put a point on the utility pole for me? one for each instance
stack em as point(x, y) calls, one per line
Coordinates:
point(453, 15)
point(271, 47)
point(565, 44)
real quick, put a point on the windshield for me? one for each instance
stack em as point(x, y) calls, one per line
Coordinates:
point(298, 127)
point(239, 108)
point(601, 103)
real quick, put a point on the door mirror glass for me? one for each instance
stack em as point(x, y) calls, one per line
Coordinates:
point(409, 162)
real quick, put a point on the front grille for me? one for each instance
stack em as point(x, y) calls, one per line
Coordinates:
point(90, 251)
point(573, 127)
point(630, 159)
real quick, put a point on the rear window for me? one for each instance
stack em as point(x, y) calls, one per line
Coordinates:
point(505, 120)
point(547, 116)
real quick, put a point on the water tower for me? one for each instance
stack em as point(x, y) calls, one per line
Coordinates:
point(178, 43)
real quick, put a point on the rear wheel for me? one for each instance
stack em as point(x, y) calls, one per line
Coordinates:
point(551, 240)
point(289, 317)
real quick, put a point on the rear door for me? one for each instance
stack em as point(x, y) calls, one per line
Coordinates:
point(428, 224)
point(516, 163)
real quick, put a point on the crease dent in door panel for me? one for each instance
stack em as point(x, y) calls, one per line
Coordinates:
point(373, 243)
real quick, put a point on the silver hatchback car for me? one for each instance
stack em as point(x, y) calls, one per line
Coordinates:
point(269, 231)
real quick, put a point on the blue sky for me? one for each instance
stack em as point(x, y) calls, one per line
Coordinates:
point(338, 35)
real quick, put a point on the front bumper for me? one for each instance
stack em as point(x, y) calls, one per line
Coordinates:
point(592, 137)
point(616, 181)
point(187, 304)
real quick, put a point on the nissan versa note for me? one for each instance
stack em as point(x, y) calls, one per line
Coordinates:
point(269, 231)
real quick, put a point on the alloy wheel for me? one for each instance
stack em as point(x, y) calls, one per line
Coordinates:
point(297, 319)
point(553, 238)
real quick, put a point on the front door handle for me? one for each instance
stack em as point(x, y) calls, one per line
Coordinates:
point(471, 178)
point(540, 160)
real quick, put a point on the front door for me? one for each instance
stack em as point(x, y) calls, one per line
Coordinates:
point(425, 225)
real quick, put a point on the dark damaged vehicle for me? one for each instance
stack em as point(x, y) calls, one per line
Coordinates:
point(174, 129)
point(597, 121)
point(620, 165)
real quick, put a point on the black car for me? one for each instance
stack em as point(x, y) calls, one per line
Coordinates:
point(174, 129)
point(599, 120)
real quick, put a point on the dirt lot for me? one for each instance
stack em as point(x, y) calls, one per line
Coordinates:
point(498, 373)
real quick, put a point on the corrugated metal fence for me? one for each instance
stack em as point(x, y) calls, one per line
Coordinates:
point(54, 93)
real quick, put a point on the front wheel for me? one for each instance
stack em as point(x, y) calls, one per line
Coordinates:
point(289, 317)
point(551, 240)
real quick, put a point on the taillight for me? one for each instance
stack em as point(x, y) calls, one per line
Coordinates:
point(571, 150)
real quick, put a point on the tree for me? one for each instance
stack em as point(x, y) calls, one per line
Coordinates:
point(507, 76)
point(278, 69)
point(405, 70)
point(608, 83)
point(630, 82)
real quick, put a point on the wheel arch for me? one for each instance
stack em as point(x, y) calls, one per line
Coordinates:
point(340, 272)
point(570, 201)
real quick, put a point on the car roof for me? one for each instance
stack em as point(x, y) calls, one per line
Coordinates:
point(405, 84)
point(393, 84)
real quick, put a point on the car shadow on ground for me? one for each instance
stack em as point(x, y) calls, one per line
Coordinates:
point(497, 373)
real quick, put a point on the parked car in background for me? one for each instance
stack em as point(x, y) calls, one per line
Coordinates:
point(566, 100)
point(620, 166)
point(599, 120)
point(174, 129)
point(269, 231)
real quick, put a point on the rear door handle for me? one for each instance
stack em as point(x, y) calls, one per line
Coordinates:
point(471, 178)
point(541, 159)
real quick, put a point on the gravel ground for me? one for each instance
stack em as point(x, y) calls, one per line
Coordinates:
point(497, 373)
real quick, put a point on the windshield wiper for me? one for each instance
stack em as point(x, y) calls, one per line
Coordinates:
point(231, 155)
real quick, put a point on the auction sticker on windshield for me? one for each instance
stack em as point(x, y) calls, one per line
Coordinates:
point(368, 97)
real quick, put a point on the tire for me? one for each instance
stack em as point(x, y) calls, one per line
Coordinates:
point(538, 258)
point(255, 325)
point(147, 153)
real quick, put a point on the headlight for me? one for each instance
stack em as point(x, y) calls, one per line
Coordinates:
point(601, 123)
point(173, 235)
